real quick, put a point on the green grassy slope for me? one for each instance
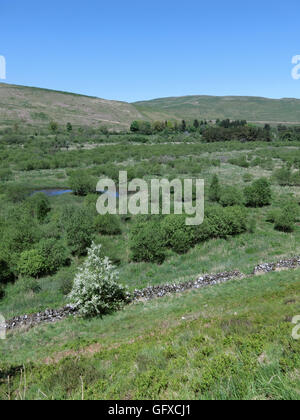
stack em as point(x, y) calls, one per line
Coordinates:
point(37, 107)
point(213, 107)
point(231, 341)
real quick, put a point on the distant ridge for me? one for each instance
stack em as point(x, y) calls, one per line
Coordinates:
point(36, 107)
point(250, 108)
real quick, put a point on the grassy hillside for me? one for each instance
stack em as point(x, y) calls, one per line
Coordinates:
point(232, 341)
point(37, 107)
point(212, 107)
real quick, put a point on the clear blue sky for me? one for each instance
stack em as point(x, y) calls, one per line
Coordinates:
point(134, 50)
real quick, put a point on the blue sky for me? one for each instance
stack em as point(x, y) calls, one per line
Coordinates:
point(134, 50)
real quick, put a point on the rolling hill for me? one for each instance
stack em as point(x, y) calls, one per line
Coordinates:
point(254, 109)
point(36, 107)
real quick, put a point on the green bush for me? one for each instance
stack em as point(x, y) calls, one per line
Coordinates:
point(236, 219)
point(79, 228)
point(223, 222)
point(39, 205)
point(147, 242)
point(287, 216)
point(231, 196)
point(176, 234)
point(108, 224)
point(81, 183)
point(258, 194)
point(31, 263)
point(214, 193)
point(284, 221)
point(283, 176)
point(55, 254)
point(20, 233)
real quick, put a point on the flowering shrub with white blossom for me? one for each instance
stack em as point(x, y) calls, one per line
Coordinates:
point(96, 290)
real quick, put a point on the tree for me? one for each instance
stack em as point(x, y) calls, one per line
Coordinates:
point(69, 127)
point(215, 189)
point(53, 126)
point(196, 124)
point(96, 290)
point(183, 126)
point(134, 126)
point(81, 183)
point(39, 206)
point(79, 228)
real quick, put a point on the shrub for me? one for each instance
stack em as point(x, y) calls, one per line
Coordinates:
point(223, 222)
point(147, 242)
point(79, 228)
point(108, 224)
point(55, 254)
point(215, 189)
point(176, 234)
point(20, 233)
point(81, 183)
point(236, 220)
point(231, 196)
point(258, 194)
point(283, 176)
point(31, 263)
point(39, 205)
point(286, 217)
point(96, 290)
point(284, 221)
